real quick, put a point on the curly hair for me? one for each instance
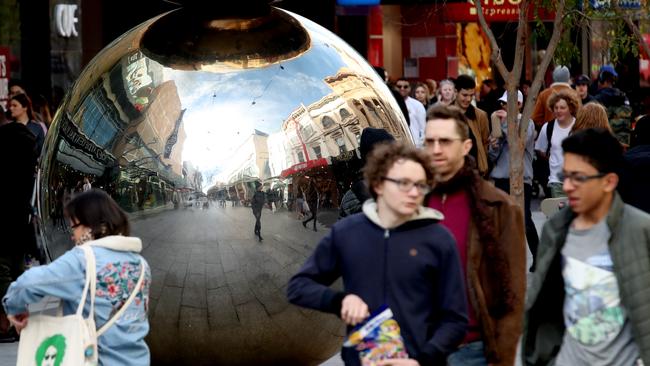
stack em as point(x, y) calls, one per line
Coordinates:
point(382, 158)
point(569, 96)
point(591, 115)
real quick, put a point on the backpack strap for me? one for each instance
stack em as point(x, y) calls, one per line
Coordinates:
point(549, 134)
point(128, 302)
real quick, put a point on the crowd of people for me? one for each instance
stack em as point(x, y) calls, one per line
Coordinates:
point(428, 231)
point(439, 219)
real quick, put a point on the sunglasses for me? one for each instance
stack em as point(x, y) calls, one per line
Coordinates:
point(403, 86)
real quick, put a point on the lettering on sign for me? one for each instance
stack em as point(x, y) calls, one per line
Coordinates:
point(65, 20)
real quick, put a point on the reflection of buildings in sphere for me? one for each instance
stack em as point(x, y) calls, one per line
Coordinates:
point(194, 134)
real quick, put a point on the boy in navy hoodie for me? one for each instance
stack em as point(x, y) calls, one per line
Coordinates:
point(396, 254)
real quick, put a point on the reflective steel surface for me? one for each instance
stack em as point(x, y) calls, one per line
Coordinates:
point(178, 120)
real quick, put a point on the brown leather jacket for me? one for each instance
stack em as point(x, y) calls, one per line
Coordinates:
point(480, 128)
point(501, 319)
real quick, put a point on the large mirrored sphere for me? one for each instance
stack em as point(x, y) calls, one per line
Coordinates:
point(180, 120)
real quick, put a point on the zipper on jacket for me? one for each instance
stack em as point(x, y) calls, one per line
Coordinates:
point(386, 236)
point(443, 200)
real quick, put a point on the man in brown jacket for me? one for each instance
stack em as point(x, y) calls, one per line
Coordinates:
point(542, 113)
point(489, 230)
point(477, 121)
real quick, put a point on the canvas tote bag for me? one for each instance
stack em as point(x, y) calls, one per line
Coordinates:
point(69, 340)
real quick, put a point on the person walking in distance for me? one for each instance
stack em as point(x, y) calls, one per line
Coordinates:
point(394, 254)
point(489, 230)
point(257, 204)
point(417, 112)
point(565, 106)
point(312, 197)
point(477, 121)
point(588, 298)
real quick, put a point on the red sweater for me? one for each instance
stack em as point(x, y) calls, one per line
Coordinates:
point(456, 208)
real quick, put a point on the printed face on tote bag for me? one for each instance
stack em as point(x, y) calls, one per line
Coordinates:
point(51, 351)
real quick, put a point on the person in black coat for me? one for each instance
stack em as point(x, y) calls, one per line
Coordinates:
point(257, 203)
point(17, 163)
point(635, 173)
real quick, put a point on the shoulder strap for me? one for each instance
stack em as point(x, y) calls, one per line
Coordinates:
point(549, 134)
point(91, 281)
point(128, 302)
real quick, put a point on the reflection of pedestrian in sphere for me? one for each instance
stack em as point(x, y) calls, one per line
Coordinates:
point(51, 351)
point(257, 203)
point(313, 199)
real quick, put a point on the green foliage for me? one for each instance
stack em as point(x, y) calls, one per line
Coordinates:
point(9, 23)
point(621, 41)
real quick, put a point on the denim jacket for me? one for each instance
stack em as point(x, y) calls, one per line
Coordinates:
point(118, 267)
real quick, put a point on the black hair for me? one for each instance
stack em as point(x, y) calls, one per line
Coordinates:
point(598, 146)
point(465, 82)
point(606, 76)
point(96, 210)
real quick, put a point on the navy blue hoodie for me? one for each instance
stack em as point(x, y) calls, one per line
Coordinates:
point(413, 268)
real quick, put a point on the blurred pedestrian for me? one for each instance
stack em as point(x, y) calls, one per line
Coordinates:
point(394, 254)
point(588, 299)
point(257, 204)
point(421, 94)
point(565, 105)
point(446, 92)
point(99, 223)
point(619, 111)
point(17, 161)
point(635, 173)
point(543, 112)
point(417, 112)
point(477, 121)
point(489, 230)
point(21, 111)
point(592, 115)
point(432, 98)
point(499, 153)
point(311, 203)
point(582, 88)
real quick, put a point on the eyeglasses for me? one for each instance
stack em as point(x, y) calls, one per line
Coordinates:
point(402, 86)
point(443, 141)
point(577, 178)
point(406, 185)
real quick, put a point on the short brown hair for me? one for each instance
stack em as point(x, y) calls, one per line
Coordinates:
point(441, 111)
point(96, 210)
point(569, 96)
point(591, 115)
point(382, 158)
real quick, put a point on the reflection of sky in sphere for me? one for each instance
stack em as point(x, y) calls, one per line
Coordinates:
point(220, 106)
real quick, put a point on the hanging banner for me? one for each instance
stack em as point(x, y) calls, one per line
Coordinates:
point(493, 10)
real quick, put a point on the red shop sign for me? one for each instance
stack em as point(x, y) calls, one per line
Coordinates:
point(494, 11)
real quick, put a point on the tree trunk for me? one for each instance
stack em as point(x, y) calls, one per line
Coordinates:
point(517, 131)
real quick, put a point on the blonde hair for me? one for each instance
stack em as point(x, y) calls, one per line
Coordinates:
point(591, 115)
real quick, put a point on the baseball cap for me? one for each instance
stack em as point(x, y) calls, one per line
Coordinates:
point(610, 69)
point(583, 80)
point(504, 97)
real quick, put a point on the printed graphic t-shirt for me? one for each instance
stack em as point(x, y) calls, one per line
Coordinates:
point(598, 332)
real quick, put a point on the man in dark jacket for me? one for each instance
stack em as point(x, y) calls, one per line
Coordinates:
point(619, 111)
point(257, 203)
point(395, 254)
point(588, 301)
point(489, 230)
point(635, 174)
